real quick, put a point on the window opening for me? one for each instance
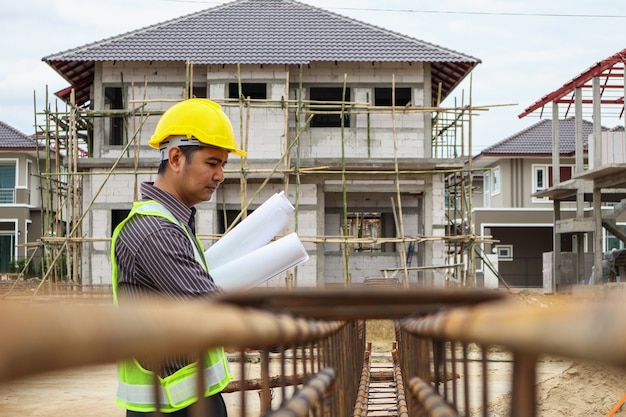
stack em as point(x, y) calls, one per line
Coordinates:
point(252, 90)
point(113, 100)
point(326, 94)
point(382, 96)
point(199, 91)
point(117, 216)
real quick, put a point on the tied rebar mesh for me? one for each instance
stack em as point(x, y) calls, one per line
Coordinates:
point(311, 347)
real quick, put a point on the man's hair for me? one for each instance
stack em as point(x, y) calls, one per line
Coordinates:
point(188, 151)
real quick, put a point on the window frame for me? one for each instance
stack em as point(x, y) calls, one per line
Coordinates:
point(11, 162)
point(546, 170)
point(504, 252)
point(495, 181)
point(486, 189)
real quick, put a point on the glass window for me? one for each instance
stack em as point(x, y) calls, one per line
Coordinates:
point(610, 241)
point(7, 183)
point(504, 252)
point(495, 180)
point(540, 179)
point(487, 190)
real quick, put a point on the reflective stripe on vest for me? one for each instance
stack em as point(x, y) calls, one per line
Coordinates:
point(179, 390)
point(175, 393)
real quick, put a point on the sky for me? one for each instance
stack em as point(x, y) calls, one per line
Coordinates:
point(528, 48)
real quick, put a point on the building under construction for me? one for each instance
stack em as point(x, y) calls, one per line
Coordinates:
point(343, 116)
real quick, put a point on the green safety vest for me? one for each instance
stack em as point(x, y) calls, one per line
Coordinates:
point(135, 390)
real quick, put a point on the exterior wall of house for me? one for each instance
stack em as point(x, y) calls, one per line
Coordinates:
point(529, 175)
point(526, 233)
point(369, 137)
point(20, 207)
point(517, 183)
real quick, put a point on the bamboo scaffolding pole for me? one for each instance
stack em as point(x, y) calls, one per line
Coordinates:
point(344, 188)
point(298, 107)
point(84, 213)
point(358, 107)
point(311, 239)
point(243, 189)
point(405, 275)
point(290, 276)
point(291, 171)
point(71, 213)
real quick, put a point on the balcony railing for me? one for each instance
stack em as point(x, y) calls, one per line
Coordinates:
point(7, 195)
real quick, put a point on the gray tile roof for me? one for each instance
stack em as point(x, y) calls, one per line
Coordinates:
point(537, 139)
point(13, 139)
point(264, 32)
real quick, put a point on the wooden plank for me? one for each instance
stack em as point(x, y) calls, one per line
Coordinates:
point(382, 414)
point(381, 400)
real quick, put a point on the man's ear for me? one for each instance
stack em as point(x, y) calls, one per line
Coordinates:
point(176, 158)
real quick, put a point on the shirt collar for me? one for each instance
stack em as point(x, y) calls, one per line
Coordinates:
point(181, 212)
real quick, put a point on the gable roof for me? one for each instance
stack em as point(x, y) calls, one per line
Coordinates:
point(262, 32)
point(13, 139)
point(536, 140)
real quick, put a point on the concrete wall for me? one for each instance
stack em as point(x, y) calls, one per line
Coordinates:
point(267, 136)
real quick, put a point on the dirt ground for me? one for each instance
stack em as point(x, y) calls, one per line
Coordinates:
point(565, 388)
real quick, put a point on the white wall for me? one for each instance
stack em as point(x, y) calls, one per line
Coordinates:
point(266, 139)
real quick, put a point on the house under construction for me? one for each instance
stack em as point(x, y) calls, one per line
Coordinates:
point(345, 117)
point(597, 189)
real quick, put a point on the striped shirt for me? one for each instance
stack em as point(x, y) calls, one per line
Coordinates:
point(155, 256)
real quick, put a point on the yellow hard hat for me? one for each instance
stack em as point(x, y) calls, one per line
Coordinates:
point(197, 121)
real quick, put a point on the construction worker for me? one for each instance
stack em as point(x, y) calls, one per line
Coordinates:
point(155, 250)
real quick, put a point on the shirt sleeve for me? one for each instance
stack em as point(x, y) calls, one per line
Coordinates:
point(165, 263)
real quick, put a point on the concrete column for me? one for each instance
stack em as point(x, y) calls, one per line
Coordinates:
point(580, 192)
point(578, 118)
point(597, 123)
point(556, 151)
point(597, 235)
point(597, 195)
point(556, 244)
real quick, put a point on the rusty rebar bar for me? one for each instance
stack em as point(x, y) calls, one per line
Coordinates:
point(403, 410)
point(592, 331)
point(432, 403)
point(46, 337)
point(362, 398)
point(309, 396)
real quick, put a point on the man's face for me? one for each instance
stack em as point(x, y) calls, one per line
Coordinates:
point(200, 175)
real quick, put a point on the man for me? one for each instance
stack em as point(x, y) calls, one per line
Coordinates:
point(155, 251)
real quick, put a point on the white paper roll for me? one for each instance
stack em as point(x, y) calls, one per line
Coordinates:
point(260, 265)
point(253, 232)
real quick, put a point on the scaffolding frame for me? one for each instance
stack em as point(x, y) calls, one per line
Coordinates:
point(68, 131)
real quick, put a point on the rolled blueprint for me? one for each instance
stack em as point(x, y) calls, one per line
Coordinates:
point(261, 264)
point(255, 231)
